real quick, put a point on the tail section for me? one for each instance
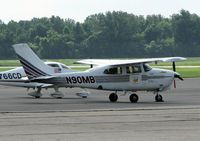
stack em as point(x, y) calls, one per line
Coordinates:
point(32, 64)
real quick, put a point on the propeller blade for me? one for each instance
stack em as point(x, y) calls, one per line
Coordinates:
point(174, 83)
point(176, 75)
point(174, 66)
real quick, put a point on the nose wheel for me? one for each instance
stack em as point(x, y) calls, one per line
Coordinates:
point(159, 98)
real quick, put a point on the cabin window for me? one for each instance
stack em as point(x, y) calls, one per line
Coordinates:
point(133, 69)
point(146, 67)
point(54, 65)
point(116, 70)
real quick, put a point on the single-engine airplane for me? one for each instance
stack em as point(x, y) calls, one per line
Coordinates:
point(113, 75)
point(17, 77)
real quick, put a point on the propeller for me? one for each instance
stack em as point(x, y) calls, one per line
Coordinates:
point(176, 75)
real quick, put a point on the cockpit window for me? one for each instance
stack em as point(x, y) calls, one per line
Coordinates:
point(146, 67)
point(53, 65)
point(116, 70)
point(133, 69)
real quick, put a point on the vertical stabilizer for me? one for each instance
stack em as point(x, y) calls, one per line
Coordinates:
point(32, 64)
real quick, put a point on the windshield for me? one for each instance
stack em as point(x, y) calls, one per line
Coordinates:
point(64, 67)
point(146, 67)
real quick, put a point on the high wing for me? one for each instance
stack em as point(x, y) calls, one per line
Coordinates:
point(113, 62)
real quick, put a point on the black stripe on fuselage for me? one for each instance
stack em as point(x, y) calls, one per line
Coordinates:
point(113, 78)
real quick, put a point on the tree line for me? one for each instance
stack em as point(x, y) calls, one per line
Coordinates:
point(114, 34)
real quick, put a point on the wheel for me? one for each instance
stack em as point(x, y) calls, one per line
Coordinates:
point(57, 95)
point(84, 96)
point(37, 96)
point(158, 98)
point(134, 98)
point(113, 97)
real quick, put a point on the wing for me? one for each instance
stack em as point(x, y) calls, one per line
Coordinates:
point(101, 62)
point(24, 84)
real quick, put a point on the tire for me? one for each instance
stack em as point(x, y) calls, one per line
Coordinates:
point(134, 98)
point(158, 98)
point(113, 97)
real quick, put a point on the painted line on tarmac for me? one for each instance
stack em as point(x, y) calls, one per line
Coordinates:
point(109, 109)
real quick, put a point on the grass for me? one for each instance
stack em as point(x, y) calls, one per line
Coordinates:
point(4, 63)
point(187, 72)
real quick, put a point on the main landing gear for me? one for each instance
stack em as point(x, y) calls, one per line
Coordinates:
point(113, 97)
point(57, 94)
point(36, 94)
point(133, 97)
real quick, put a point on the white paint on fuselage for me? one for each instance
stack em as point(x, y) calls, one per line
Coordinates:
point(154, 79)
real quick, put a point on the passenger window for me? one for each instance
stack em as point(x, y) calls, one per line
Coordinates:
point(129, 69)
point(133, 69)
point(54, 65)
point(117, 70)
point(136, 69)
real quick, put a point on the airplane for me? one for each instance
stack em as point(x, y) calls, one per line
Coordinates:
point(112, 75)
point(17, 77)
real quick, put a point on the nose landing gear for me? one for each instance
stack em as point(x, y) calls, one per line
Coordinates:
point(158, 98)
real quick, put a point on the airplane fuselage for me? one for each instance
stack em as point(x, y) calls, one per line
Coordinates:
point(151, 80)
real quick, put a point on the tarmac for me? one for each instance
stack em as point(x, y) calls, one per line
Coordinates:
point(23, 118)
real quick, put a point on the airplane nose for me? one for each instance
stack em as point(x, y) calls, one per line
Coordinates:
point(177, 75)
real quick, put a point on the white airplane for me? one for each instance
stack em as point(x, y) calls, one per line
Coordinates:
point(17, 77)
point(112, 75)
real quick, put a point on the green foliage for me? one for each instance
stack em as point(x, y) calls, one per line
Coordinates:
point(114, 34)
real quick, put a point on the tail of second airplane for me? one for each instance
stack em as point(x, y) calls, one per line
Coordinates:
point(32, 64)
